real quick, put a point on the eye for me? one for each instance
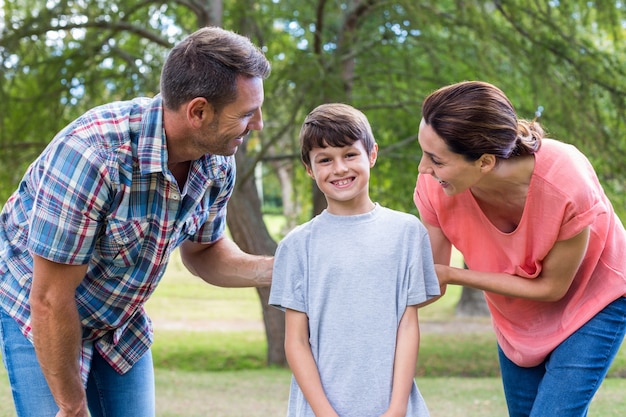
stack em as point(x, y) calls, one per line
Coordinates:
point(435, 161)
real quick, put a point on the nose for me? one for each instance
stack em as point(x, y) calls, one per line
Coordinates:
point(424, 167)
point(339, 166)
point(256, 121)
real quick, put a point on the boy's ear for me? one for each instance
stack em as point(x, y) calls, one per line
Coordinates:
point(373, 155)
point(309, 171)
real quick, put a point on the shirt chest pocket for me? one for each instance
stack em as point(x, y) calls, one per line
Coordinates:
point(122, 242)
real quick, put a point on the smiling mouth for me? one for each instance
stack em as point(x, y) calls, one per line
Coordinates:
point(241, 138)
point(343, 182)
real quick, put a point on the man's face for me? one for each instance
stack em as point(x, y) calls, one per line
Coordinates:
point(226, 131)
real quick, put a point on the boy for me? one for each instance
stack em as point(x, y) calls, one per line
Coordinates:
point(350, 281)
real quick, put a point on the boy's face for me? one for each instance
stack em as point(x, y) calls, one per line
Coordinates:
point(342, 174)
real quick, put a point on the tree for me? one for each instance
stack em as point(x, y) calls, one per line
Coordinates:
point(61, 57)
point(574, 53)
point(116, 42)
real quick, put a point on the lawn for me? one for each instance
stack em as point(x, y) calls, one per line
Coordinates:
point(210, 346)
point(263, 393)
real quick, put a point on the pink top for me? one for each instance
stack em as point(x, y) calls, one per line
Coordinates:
point(564, 197)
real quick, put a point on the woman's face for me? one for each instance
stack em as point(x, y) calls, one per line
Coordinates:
point(452, 170)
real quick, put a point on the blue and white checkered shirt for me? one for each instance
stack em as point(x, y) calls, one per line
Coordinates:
point(101, 194)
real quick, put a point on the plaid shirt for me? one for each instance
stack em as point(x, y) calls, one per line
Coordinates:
point(101, 194)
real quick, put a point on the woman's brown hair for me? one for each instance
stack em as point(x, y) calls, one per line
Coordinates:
point(476, 118)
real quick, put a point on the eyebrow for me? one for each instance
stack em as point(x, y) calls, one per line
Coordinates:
point(251, 110)
point(323, 151)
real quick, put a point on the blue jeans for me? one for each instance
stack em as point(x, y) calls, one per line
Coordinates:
point(108, 393)
point(565, 383)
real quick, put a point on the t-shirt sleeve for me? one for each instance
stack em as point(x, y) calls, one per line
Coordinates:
point(287, 289)
point(577, 218)
point(423, 282)
point(576, 187)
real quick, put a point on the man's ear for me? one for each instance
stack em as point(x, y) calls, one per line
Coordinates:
point(200, 112)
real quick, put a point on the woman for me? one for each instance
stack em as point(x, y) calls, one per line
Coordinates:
point(538, 235)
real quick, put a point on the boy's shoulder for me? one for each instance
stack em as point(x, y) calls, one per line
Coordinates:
point(400, 216)
point(388, 216)
point(299, 231)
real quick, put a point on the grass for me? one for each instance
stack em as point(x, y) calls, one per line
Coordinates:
point(440, 355)
point(182, 298)
point(450, 355)
point(209, 351)
point(201, 371)
point(264, 393)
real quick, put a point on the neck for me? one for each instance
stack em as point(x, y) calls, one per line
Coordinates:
point(509, 176)
point(346, 209)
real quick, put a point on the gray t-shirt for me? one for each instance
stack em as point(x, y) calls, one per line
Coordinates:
point(354, 276)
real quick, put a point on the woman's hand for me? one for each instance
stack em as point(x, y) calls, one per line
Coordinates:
point(443, 274)
point(559, 268)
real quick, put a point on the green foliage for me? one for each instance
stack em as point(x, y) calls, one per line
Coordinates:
point(566, 57)
point(60, 58)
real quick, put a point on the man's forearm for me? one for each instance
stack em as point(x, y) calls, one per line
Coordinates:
point(224, 264)
point(57, 340)
point(57, 332)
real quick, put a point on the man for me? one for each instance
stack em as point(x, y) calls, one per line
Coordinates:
point(87, 236)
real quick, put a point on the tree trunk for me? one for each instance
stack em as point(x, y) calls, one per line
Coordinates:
point(246, 226)
point(208, 13)
point(319, 200)
point(284, 172)
point(472, 304)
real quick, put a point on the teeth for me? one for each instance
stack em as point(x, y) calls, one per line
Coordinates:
point(342, 182)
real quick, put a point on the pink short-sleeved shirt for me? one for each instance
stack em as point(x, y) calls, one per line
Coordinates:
point(564, 197)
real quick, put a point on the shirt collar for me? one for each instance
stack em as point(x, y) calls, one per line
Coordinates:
point(152, 149)
point(152, 146)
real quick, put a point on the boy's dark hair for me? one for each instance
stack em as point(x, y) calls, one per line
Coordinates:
point(337, 125)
